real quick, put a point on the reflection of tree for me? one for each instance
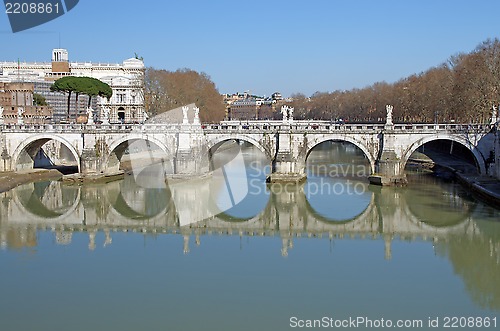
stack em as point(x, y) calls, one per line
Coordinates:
point(477, 261)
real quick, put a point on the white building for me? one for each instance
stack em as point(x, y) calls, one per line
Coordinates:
point(126, 79)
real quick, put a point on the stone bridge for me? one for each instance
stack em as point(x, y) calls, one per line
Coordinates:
point(186, 148)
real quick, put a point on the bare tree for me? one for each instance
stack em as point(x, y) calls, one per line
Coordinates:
point(166, 90)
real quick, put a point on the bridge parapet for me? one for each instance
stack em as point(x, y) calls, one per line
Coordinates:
point(255, 126)
point(325, 127)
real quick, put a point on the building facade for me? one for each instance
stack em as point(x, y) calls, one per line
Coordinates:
point(126, 80)
point(244, 106)
point(16, 99)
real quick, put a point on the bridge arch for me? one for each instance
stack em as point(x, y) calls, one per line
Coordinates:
point(337, 137)
point(215, 141)
point(35, 142)
point(480, 162)
point(118, 146)
point(134, 137)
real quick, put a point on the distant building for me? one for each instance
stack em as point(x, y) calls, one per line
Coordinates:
point(16, 96)
point(244, 106)
point(126, 80)
point(276, 96)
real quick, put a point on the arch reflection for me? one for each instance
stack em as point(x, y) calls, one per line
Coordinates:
point(288, 210)
point(436, 205)
point(136, 202)
point(48, 200)
point(337, 200)
point(238, 184)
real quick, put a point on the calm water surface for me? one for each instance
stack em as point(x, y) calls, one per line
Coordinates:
point(129, 256)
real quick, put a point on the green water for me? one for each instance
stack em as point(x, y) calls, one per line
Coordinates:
point(121, 256)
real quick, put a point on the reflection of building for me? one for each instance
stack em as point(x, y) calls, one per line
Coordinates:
point(288, 212)
point(19, 96)
point(244, 106)
point(126, 80)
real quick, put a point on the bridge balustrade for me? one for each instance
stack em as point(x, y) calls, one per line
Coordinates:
point(255, 126)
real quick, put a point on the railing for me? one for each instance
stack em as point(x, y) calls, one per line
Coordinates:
point(249, 127)
point(325, 127)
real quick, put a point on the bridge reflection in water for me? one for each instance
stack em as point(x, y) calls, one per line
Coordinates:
point(459, 228)
point(285, 211)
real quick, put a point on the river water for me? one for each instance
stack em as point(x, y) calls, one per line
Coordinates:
point(231, 253)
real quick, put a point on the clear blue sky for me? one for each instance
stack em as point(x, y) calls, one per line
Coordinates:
point(266, 46)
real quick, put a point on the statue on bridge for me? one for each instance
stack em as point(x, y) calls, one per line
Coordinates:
point(185, 115)
point(389, 109)
point(1, 114)
point(105, 115)
point(284, 112)
point(287, 113)
point(145, 116)
point(90, 115)
point(20, 115)
point(196, 116)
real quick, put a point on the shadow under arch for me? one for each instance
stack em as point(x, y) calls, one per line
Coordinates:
point(120, 146)
point(213, 145)
point(29, 198)
point(478, 157)
point(32, 145)
point(311, 145)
